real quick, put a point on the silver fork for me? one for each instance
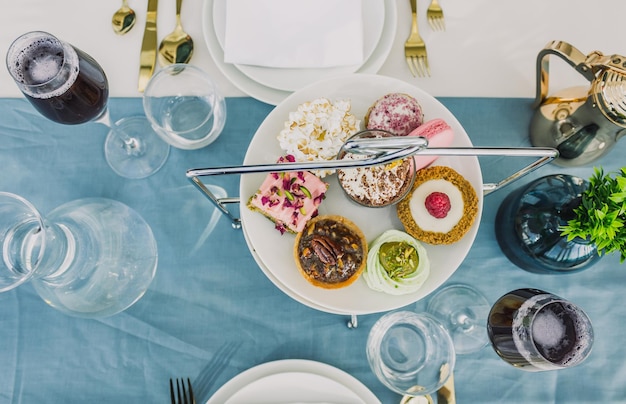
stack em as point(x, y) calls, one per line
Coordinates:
point(209, 374)
point(415, 48)
point(183, 395)
point(434, 14)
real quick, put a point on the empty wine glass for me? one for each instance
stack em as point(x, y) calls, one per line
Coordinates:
point(535, 331)
point(68, 86)
point(410, 353)
point(185, 106)
point(90, 257)
point(463, 312)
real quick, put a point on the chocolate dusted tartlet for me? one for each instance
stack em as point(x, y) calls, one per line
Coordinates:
point(376, 186)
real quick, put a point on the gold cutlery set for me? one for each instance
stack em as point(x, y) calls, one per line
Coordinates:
point(177, 47)
point(414, 47)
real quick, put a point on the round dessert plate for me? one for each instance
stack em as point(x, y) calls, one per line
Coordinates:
point(274, 96)
point(293, 380)
point(275, 251)
point(293, 79)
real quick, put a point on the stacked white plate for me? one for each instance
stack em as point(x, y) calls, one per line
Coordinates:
point(272, 85)
point(293, 381)
point(274, 252)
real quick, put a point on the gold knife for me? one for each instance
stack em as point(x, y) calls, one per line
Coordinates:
point(147, 60)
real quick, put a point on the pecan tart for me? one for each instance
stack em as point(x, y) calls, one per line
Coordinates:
point(331, 251)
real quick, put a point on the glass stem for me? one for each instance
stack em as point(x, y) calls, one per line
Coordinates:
point(129, 143)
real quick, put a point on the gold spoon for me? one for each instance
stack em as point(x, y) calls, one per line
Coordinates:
point(123, 19)
point(176, 47)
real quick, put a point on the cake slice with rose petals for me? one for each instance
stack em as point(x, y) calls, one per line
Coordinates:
point(289, 199)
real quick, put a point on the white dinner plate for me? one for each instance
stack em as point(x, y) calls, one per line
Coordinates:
point(293, 381)
point(275, 251)
point(295, 79)
point(274, 96)
point(294, 387)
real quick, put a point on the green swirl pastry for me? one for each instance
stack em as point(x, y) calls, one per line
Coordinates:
point(396, 264)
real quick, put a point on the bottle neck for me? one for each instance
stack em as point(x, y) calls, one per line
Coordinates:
point(59, 252)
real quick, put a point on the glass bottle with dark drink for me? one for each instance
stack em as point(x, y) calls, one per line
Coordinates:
point(68, 86)
point(535, 331)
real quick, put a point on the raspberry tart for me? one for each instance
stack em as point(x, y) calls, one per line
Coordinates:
point(441, 207)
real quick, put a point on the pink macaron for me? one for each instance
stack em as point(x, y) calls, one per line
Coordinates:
point(438, 133)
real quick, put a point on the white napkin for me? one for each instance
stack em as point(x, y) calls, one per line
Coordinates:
point(294, 33)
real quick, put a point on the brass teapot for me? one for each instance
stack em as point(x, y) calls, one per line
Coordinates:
point(582, 124)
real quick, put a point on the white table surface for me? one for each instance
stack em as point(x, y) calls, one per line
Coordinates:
point(488, 50)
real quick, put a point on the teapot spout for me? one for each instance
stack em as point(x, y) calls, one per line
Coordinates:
point(578, 143)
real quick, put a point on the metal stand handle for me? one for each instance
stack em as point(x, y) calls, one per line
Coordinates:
point(389, 149)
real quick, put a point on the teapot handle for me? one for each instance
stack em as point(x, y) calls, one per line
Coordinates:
point(568, 53)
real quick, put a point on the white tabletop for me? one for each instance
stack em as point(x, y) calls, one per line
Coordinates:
point(488, 50)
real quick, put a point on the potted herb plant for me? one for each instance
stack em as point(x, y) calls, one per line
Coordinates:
point(601, 214)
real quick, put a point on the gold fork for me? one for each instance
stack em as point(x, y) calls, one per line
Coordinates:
point(434, 14)
point(415, 48)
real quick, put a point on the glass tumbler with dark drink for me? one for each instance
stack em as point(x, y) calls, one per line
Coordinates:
point(69, 87)
point(535, 331)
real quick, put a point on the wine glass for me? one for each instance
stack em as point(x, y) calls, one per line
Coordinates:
point(68, 86)
point(536, 331)
point(184, 106)
point(91, 257)
point(463, 312)
point(410, 353)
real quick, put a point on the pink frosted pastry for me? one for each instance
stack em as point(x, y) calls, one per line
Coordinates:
point(289, 199)
point(438, 133)
point(397, 113)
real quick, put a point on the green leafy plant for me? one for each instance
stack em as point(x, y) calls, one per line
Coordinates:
point(601, 214)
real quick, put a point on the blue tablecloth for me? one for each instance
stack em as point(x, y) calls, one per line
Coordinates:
point(208, 294)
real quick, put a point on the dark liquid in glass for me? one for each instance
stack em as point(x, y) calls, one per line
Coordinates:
point(560, 334)
point(82, 101)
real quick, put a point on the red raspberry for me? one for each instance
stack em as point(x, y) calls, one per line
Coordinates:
point(438, 204)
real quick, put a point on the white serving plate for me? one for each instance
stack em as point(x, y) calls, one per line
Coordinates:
point(275, 251)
